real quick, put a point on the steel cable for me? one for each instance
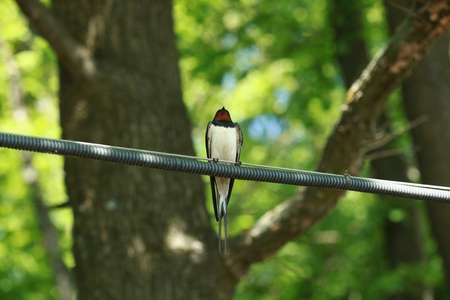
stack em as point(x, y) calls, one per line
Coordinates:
point(245, 171)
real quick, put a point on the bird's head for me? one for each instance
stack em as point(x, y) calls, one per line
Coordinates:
point(222, 115)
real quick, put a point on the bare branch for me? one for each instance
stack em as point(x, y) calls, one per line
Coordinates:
point(75, 57)
point(383, 138)
point(390, 152)
point(345, 147)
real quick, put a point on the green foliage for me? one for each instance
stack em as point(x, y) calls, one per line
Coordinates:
point(272, 64)
point(27, 64)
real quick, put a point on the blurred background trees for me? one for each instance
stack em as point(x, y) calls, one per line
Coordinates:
point(282, 68)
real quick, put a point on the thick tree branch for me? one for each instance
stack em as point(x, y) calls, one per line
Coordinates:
point(346, 145)
point(73, 55)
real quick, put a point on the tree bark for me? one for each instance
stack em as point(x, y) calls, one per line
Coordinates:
point(426, 94)
point(138, 233)
point(404, 238)
point(345, 18)
point(350, 137)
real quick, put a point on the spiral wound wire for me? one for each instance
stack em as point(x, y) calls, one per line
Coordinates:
point(243, 171)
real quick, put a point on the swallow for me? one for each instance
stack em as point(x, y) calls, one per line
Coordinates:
point(223, 142)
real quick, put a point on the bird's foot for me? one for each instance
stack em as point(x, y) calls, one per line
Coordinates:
point(215, 160)
point(238, 163)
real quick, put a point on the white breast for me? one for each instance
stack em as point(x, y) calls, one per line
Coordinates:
point(223, 143)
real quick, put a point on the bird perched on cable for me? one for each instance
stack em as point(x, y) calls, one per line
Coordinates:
point(223, 142)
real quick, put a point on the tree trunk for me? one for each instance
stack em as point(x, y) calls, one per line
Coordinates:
point(138, 233)
point(426, 93)
point(345, 17)
point(404, 239)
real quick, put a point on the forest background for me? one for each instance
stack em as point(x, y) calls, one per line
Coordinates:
point(283, 69)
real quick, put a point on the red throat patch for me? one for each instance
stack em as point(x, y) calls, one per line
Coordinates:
point(222, 115)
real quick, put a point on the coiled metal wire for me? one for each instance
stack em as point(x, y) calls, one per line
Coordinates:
point(191, 164)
